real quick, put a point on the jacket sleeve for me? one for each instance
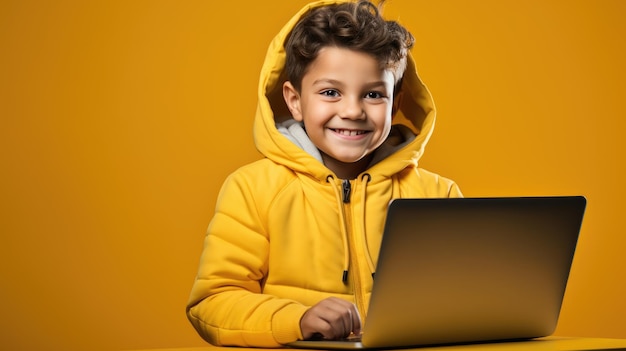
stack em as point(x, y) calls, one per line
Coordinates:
point(227, 305)
point(419, 182)
point(454, 191)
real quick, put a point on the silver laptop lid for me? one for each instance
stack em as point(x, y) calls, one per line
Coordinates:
point(472, 269)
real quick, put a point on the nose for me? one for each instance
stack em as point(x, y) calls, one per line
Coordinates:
point(352, 108)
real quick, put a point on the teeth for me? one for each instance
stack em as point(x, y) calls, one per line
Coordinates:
point(349, 132)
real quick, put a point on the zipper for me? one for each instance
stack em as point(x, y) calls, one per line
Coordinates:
point(354, 271)
point(346, 190)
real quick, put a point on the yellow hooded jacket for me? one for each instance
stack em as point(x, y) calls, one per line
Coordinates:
point(288, 233)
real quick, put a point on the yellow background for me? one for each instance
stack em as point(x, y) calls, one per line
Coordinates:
point(120, 120)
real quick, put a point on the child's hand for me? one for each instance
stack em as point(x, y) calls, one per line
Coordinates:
point(332, 318)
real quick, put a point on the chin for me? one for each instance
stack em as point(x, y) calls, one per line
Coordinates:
point(351, 159)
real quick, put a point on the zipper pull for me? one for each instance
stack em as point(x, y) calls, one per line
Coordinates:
point(346, 187)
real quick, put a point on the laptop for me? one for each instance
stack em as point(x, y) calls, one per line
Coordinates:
point(468, 270)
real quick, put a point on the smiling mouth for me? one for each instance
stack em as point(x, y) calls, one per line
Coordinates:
point(349, 132)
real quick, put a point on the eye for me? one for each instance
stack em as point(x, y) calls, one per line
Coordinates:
point(330, 93)
point(374, 95)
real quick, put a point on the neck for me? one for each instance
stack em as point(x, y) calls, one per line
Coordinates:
point(347, 170)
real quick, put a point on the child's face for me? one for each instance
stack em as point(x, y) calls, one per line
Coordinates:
point(345, 102)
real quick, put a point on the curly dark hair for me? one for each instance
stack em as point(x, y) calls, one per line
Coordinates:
point(354, 25)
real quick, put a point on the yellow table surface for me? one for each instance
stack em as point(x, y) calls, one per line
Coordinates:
point(552, 343)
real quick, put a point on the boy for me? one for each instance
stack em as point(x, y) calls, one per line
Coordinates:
point(291, 251)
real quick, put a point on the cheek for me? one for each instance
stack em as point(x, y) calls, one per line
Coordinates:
point(383, 122)
point(381, 115)
point(317, 113)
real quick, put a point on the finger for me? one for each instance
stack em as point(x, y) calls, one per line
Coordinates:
point(322, 319)
point(344, 319)
point(356, 321)
point(350, 325)
point(351, 317)
point(336, 316)
point(332, 318)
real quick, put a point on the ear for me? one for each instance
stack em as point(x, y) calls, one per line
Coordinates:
point(292, 99)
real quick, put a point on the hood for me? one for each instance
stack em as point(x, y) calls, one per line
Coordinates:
point(278, 139)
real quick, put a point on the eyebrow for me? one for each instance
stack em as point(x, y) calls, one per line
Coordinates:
point(327, 81)
point(337, 82)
